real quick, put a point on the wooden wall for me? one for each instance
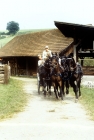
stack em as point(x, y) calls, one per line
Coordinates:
point(22, 66)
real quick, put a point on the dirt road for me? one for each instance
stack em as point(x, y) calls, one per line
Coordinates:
point(47, 118)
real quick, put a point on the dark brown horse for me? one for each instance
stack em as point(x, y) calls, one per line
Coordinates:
point(56, 76)
point(76, 74)
point(66, 74)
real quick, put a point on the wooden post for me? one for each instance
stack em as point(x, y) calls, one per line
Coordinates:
point(1, 74)
point(75, 54)
point(75, 49)
point(6, 74)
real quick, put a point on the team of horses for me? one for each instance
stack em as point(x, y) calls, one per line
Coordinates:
point(60, 76)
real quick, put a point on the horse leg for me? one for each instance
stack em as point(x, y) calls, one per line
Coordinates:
point(47, 86)
point(67, 87)
point(55, 90)
point(79, 88)
point(61, 92)
point(44, 86)
point(61, 89)
point(64, 88)
point(76, 89)
point(49, 83)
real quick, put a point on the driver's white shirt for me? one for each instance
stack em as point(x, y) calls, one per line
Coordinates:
point(46, 54)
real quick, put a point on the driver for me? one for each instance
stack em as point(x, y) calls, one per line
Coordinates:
point(46, 53)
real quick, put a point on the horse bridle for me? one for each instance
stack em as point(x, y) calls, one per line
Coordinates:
point(72, 66)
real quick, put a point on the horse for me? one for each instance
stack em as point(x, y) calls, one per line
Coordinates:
point(44, 74)
point(66, 74)
point(56, 76)
point(76, 75)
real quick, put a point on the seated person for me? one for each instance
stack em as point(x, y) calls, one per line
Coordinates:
point(46, 53)
point(40, 61)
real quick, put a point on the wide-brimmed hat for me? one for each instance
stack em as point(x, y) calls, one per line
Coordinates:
point(46, 47)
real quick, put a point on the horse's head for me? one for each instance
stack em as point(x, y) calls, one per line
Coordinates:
point(71, 63)
point(55, 63)
point(54, 60)
point(64, 63)
point(55, 57)
point(47, 65)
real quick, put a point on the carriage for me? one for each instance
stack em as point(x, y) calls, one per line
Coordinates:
point(52, 74)
point(43, 77)
point(40, 84)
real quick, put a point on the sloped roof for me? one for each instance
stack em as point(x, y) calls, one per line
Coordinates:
point(75, 30)
point(33, 44)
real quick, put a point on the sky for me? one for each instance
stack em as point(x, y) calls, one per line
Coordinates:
point(41, 14)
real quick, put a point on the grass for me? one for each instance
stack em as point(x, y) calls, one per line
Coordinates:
point(30, 31)
point(88, 100)
point(4, 41)
point(88, 62)
point(12, 98)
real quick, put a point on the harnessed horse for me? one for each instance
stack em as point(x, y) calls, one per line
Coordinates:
point(66, 74)
point(56, 76)
point(76, 74)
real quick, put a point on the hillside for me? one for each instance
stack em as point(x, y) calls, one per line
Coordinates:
point(5, 40)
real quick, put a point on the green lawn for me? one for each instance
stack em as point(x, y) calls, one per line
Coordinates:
point(7, 39)
point(87, 100)
point(12, 98)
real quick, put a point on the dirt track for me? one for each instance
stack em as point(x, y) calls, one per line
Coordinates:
point(47, 118)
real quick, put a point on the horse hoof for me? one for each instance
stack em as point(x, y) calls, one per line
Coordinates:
point(76, 100)
point(62, 98)
point(50, 93)
point(67, 92)
point(57, 98)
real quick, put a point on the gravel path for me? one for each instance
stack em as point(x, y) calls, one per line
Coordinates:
point(48, 118)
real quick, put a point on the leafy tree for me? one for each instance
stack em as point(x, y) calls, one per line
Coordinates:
point(12, 27)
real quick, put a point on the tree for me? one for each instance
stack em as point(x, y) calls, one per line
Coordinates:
point(12, 27)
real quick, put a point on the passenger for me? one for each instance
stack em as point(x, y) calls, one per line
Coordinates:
point(40, 61)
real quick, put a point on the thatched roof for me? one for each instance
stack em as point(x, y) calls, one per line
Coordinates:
point(33, 44)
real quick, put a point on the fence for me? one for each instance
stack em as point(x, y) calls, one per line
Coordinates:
point(4, 73)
